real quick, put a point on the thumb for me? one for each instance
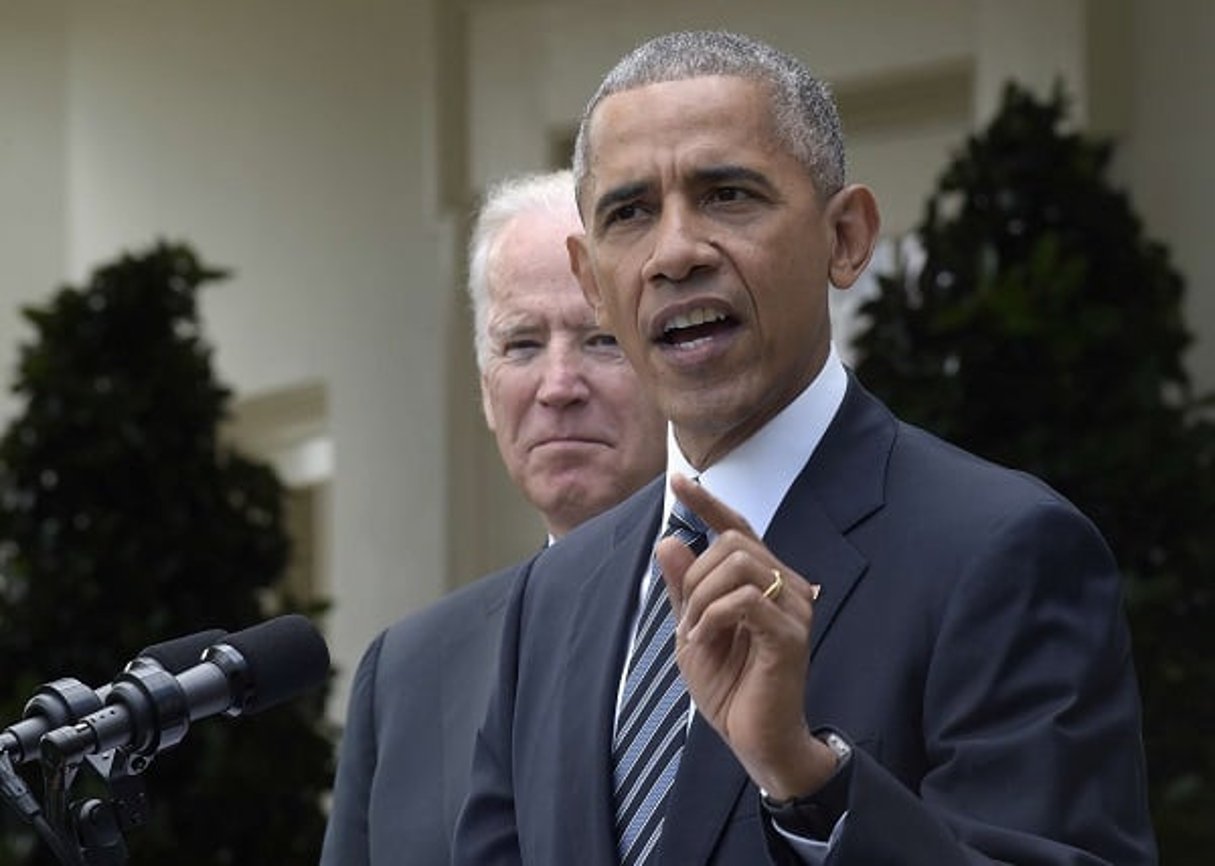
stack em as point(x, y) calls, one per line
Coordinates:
point(674, 559)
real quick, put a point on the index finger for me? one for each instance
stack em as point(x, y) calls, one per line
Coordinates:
point(716, 514)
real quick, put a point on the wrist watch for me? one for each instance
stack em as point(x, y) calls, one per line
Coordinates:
point(814, 816)
point(837, 744)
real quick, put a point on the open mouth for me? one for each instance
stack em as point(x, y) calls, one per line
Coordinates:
point(694, 326)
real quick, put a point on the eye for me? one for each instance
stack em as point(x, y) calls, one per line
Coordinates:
point(623, 214)
point(729, 195)
point(602, 343)
point(520, 349)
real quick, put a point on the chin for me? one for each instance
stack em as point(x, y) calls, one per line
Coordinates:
point(579, 504)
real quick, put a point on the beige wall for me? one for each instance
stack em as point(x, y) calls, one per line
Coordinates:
point(535, 64)
point(1168, 153)
point(328, 153)
point(1135, 70)
point(33, 180)
point(292, 142)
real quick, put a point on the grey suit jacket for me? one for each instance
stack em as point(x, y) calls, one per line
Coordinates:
point(418, 695)
point(969, 640)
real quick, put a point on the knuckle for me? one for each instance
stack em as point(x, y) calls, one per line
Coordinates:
point(729, 537)
point(737, 558)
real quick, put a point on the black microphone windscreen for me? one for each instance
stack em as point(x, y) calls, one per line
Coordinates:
point(286, 656)
point(182, 653)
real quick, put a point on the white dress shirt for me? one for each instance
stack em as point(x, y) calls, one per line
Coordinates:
point(753, 480)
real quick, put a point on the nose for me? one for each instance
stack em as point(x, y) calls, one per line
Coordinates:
point(562, 378)
point(681, 245)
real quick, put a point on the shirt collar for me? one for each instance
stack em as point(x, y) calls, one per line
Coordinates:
point(754, 477)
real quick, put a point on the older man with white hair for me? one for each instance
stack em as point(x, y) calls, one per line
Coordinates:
point(577, 436)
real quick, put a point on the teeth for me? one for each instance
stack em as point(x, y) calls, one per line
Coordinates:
point(697, 316)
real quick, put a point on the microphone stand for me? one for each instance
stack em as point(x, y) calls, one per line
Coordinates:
point(94, 827)
point(17, 794)
point(54, 704)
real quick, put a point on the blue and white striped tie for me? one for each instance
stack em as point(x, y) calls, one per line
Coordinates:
point(653, 719)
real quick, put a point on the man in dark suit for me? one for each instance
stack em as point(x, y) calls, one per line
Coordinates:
point(576, 435)
point(891, 651)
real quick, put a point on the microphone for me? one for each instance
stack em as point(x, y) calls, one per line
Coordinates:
point(63, 701)
point(149, 710)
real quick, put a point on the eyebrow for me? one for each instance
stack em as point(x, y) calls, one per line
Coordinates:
point(624, 192)
point(513, 323)
point(524, 325)
point(727, 172)
point(731, 172)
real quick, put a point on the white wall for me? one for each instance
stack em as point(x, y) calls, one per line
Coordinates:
point(1141, 71)
point(534, 65)
point(295, 142)
point(33, 202)
point(1168, 157)
point(289, 140)
point(1038, 42)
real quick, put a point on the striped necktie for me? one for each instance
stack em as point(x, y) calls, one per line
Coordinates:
point(653, 719)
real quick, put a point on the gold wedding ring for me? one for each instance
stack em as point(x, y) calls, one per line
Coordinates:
point(774, 588)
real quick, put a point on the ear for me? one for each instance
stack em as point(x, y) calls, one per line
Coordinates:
point(580, 264)
point(852, 214)
point(487, 405)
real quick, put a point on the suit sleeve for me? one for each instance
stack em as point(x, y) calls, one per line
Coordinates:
point(346, 834)
point(486, 833)
point(1031, 725)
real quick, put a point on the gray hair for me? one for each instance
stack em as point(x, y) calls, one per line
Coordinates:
point(803, 109)
point(552, 192)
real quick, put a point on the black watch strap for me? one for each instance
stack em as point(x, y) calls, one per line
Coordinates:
point(814, 816)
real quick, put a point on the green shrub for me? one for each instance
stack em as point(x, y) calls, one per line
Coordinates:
point(1046, 332)
point(123, 522)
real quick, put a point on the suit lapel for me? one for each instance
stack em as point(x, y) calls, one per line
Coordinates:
point(467, 681)
point(706, 789)
point(806, 539)
point(592, 673)
point(710, 780)
point(841, 484)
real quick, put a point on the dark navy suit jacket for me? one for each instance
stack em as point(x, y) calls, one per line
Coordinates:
point(417, 697)
point(969, 640)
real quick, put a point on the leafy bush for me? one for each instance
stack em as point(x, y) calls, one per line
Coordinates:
point(124, 522)
point(1045, 331)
